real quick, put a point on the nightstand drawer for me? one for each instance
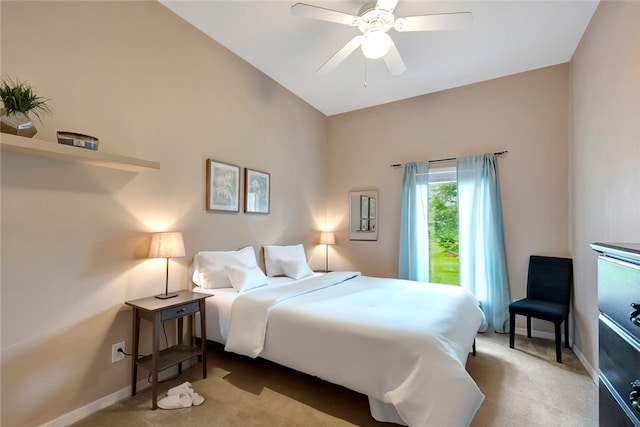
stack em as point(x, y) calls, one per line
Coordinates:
point(609, 409)
point(618, 288)
point(619, 363)
point(176, 312)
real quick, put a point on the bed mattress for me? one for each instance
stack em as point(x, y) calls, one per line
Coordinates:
point(403, 344)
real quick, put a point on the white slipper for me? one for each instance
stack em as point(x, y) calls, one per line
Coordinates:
point(182, 388)
point(175, 401)
point(196, 399)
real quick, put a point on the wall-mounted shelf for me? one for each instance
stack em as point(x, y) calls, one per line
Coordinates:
point(53, 150)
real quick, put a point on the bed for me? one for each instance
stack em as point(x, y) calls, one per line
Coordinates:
point(401, 343)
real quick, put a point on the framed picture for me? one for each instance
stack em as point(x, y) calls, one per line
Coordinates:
point(364, 207)
point(363, 215)
point(223, 186)
point(256, 191)
point(372, 208)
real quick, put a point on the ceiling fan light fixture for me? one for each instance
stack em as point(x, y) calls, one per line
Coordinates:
point(373, 20)
point(375, 44)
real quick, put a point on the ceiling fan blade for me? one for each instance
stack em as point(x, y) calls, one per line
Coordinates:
point(438, 22)
point(341, 55)
point(394, 61)
point(315, 12)
point(387, 5)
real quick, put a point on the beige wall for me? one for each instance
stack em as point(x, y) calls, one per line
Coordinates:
point(149, 85)
point(526, 114)
point(604, 150)
point(74, 237)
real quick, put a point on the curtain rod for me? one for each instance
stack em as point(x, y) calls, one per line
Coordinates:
point(450, 159)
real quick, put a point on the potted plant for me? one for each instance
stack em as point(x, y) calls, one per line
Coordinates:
point(19, 100)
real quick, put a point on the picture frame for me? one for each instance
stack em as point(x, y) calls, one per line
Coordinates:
point(223, 186)
point(372, 214)
point(257, 189)
point(364, 215)
point(364, 207)
point(372, 208)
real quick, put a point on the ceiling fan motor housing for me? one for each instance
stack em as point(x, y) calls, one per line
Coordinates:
point(374, 19)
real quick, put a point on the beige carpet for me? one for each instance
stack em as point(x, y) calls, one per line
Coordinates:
point(523, 387)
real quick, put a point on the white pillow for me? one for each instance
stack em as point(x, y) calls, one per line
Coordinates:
point(245, 278)
point(208, 266)
point(296, 269)
point(274, 255)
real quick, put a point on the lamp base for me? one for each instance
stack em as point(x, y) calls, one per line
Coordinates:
point(165, 296)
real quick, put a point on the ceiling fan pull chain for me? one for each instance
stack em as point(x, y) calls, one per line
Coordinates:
point(365, 74)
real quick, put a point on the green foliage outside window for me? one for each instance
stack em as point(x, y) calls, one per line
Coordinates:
point(443, 232)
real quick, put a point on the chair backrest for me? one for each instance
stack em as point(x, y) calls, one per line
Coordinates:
point(550, 279)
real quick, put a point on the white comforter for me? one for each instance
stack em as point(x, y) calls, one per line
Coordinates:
point(399, 342)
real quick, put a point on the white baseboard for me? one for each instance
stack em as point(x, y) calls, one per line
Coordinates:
point(552, 336)
point(95, 406)
point(592, 372)
point(84, 411)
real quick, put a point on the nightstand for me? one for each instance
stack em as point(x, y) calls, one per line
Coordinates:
point(158, 311)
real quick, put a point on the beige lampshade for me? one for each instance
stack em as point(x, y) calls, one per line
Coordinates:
point(166, 245)
point(327, 238)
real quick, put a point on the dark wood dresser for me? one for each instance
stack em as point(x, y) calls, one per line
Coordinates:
point(619, 329)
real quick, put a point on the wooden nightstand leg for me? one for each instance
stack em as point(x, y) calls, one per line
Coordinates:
point(203, 340)
point(180, 332)
point(155, 360)
point(135, 340)
point(192, 330)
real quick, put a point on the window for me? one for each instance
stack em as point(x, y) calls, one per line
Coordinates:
point(442, 225)
point(451, 231)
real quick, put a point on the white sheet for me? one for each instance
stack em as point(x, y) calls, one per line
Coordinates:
point(398, 342)
point(249, 316)
point(219, 310)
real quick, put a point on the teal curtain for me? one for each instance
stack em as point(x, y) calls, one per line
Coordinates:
point(483, 266)
point(413, 263)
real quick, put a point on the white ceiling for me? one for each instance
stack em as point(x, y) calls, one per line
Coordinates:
point(506, 37)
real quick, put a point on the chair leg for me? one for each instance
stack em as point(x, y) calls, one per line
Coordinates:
point(566, 332)
point(512, 328)
point(558, 343)
point(528, 326)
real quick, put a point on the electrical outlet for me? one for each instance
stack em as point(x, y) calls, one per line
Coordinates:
point(115, 354)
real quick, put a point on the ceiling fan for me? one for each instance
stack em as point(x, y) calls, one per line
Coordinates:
point(374, 20)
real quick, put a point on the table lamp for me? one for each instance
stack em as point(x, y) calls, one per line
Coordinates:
point(327, 238)
point(166, 245)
